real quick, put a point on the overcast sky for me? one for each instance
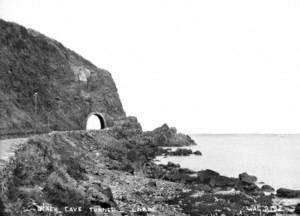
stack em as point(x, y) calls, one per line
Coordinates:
point(203, 66)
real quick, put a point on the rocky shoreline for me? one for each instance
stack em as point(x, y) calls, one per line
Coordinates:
point(112, 172)
point(107, 172)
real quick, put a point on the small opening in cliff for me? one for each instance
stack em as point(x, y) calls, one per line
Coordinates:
point(95, 121)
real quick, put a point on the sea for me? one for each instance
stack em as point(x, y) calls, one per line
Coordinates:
point(273, 159)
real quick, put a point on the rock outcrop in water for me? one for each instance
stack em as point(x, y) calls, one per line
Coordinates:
point(288, 193)
point(68, 86)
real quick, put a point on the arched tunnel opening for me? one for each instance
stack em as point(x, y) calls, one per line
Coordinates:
point(95, 121)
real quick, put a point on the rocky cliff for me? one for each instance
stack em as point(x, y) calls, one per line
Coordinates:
point(67, 86)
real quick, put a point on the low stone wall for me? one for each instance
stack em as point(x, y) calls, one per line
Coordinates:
point(13, 133)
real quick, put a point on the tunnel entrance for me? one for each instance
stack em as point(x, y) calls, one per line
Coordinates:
point(95, 121)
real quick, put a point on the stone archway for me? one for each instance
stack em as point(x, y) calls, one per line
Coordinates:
point(95, 121)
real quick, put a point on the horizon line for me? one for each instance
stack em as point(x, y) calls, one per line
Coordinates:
point(245, 134)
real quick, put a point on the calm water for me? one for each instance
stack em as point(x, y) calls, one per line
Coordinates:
point(274, 159)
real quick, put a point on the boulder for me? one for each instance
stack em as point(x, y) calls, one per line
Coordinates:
point(171, 165)
point(170, 172)
point(155, 171)
point(62, 190)
point(246, 187)
point(267, 188)
point(151, 184)
point(179, 175)
point(96, 194)
point(297, 209)
point(197, 153)
point(250, 187)
point(221, 181)
point(202, 187)
point(175, 176)
point(187, 171)
point(214, 179)
point(288, 193)
point(246, 178)
point(180, 152)
point(204, 176)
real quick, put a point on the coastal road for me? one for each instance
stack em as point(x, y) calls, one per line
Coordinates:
point(7, 147)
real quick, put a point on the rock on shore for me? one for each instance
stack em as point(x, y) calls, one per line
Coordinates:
point(288, 193)
point(246, 178)
point(267, 188)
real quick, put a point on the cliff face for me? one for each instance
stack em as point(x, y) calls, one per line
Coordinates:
point(68, 87)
